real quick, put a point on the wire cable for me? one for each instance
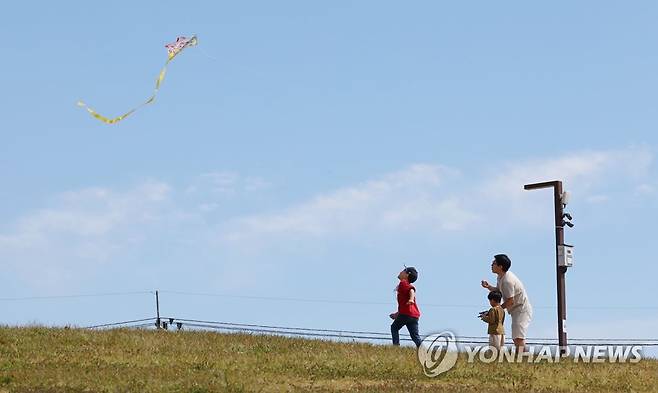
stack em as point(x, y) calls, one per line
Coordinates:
point(119, 323)
point(74, 296)
point(304, 300)
point(379, 335)
point(279, 327)
point(301, 300)
point(346, 334)
point(458, 340)
point(286, 332)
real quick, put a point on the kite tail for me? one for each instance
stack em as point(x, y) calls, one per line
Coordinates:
point(104, 119)
point(117, 119)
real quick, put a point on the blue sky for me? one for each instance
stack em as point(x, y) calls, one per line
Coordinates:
point(309, 150)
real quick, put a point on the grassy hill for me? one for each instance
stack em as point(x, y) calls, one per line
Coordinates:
point(73, 360)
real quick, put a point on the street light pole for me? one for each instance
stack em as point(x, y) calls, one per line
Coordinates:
point(560, 270)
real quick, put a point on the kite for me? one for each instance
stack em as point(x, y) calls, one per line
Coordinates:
point(173, 49)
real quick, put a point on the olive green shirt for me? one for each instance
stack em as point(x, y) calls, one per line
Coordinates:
point(495, 317)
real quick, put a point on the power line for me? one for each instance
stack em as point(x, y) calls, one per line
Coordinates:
point(310, 331)
point(306, 300)
point(285, 332)
point(351, 334)
point(278, 327)
point(139, 326)
point(288, 299)
point(458, 340)
point(75, 296)
point(344, 333)
point(301, 300)
point(119, 323)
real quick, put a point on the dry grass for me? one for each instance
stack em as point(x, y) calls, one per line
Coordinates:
point(72, 360)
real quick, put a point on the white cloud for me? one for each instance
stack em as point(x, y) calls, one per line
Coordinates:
point(597, 199)
point(646, 189)
point(208, 207)
point(85, 228)
point(429, 197)
point(225, 183)
point(255, 184)
point(587, 175)
point(88, 212)
point(82, 229)
point(581, 170)
point(409, 199)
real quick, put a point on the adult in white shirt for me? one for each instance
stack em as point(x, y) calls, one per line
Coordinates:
point(515, 298)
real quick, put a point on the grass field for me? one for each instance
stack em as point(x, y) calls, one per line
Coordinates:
point(74, 360)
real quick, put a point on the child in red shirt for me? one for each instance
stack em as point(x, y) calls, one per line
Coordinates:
point(408, 312)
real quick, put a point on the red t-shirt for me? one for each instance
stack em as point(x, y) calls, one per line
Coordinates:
point(403, 297)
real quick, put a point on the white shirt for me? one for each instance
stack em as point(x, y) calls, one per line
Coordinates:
point(511, 287)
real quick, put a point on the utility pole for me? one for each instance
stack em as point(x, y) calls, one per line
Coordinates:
point(563, 254)
point(157, 309)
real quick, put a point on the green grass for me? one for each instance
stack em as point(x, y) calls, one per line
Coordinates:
point(74, 360)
